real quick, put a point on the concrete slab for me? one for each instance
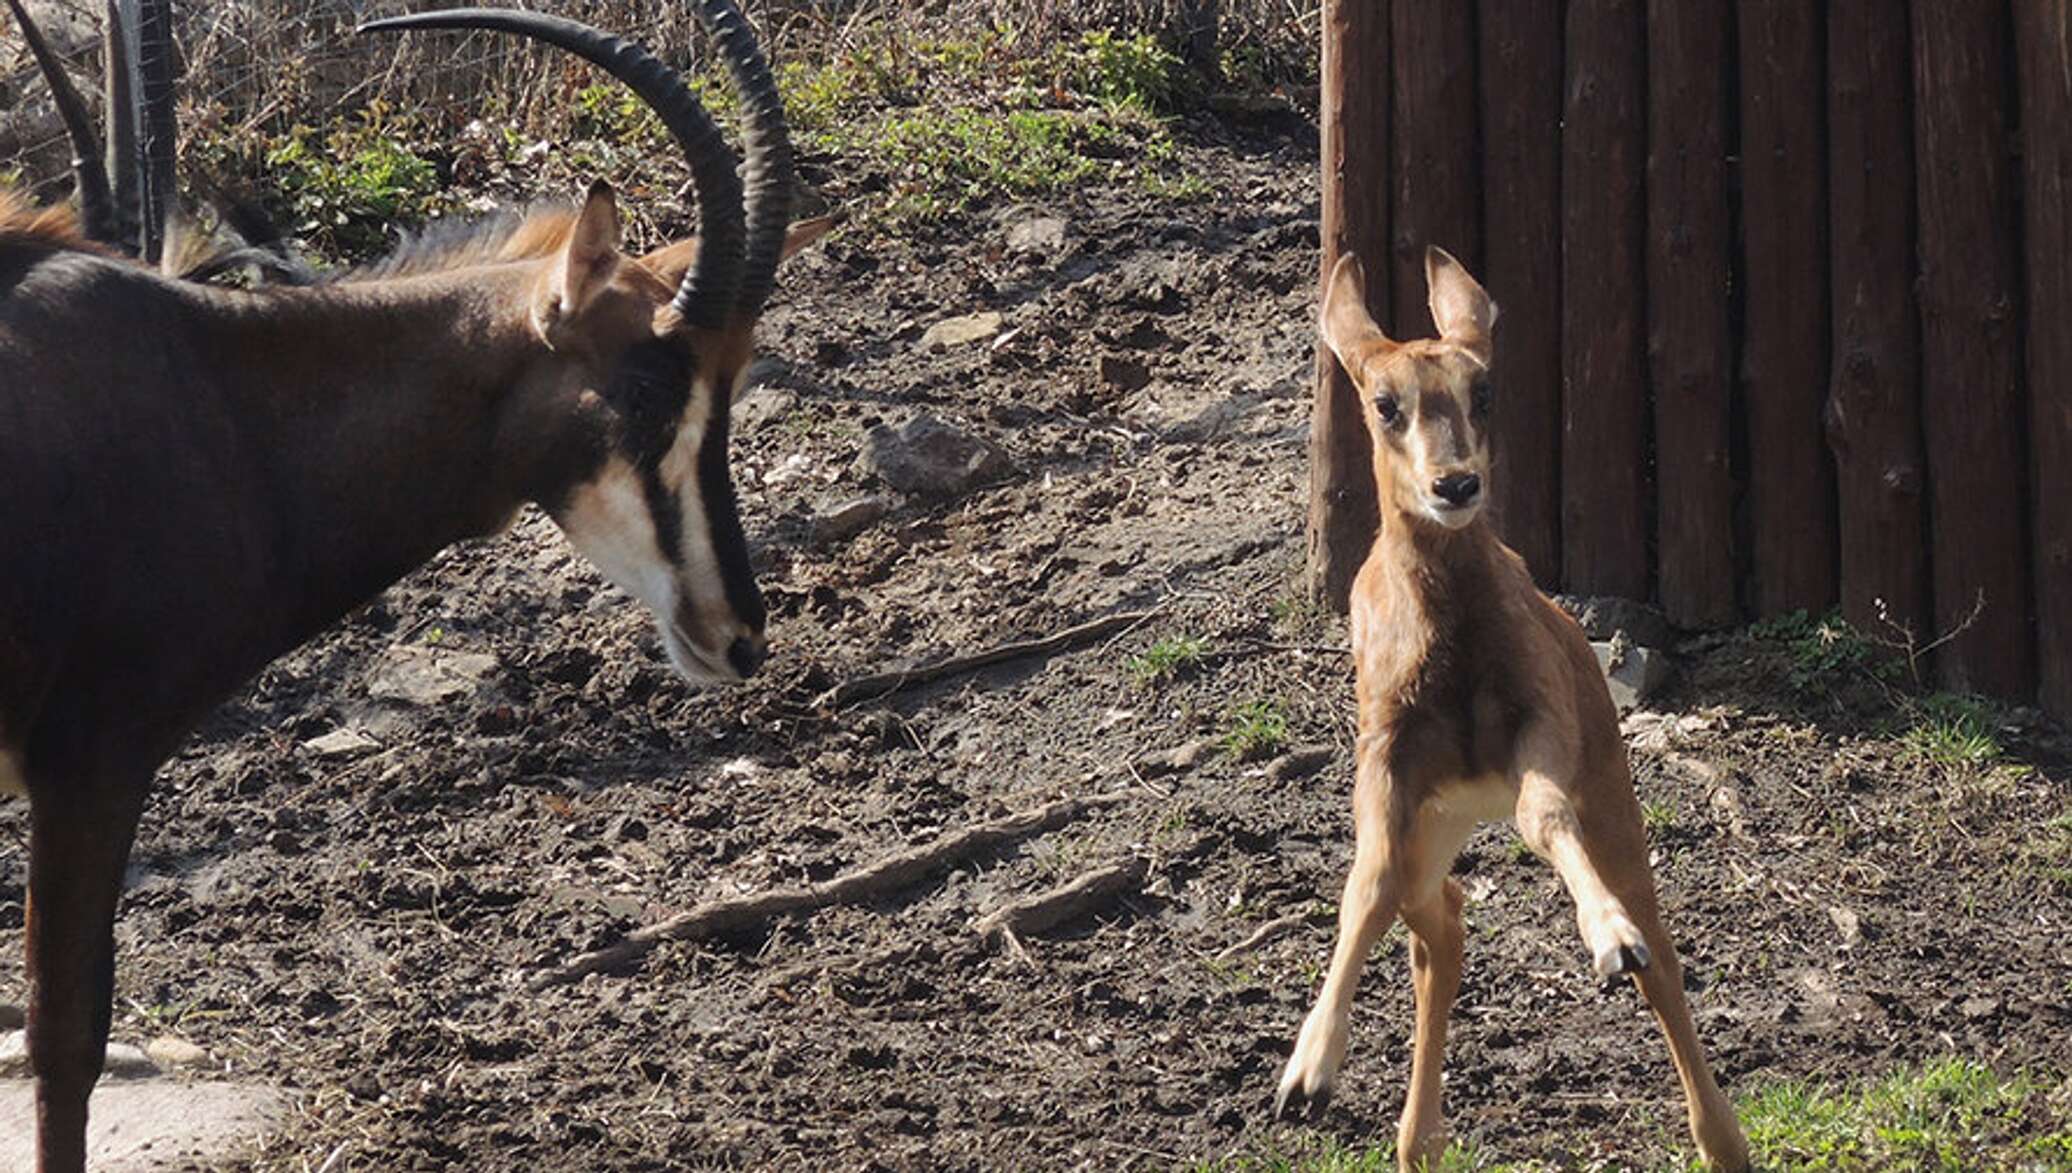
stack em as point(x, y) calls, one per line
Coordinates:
point(149, 1125)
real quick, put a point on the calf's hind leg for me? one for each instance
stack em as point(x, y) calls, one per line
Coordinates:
point(1436, 947)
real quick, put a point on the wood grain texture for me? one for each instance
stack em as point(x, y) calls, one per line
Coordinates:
point(1873, 413)
point(1520, 83)
point(1354, 124)
point(1690, 285)
point(2043, 39)
point(1435, 163)
point(1605, 498)
point(1972, 407)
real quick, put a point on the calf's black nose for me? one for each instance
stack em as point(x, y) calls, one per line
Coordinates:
point(1457, 488)
point(747, 654)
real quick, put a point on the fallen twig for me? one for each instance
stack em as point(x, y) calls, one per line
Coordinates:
point(891, 874)
point(1065, 903)
point(1277, 927)
point(879, 684)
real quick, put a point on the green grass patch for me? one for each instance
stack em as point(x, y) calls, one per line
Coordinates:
point(1323, 1154)
point(346, 186)
point(1822, 648)
point(1167, 658)
point(1951, 729)
point(1257, 729)
point(1952, 1115)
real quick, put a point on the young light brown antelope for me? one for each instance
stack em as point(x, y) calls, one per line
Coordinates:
point(1478, 699)
point(195, 480)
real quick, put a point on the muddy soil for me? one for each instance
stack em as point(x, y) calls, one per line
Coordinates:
point(354, 919)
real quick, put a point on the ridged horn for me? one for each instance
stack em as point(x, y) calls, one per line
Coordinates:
point(119, 92)
point(711, 289)
point(767, 144)
point(159, 126)
point(90, 174)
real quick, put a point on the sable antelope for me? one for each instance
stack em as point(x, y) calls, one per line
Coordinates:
point(196, 480)
point(1478, 699)
point(138, 213)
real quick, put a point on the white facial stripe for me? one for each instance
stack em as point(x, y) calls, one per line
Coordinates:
point(608, 522)
point(680, 471)
point(12, 783)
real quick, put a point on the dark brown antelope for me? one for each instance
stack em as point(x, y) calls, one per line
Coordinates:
point(195, 480)
point(1478, 699)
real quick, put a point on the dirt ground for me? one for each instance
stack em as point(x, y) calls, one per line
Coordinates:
point(357, 924)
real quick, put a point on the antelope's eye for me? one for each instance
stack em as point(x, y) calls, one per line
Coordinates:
point(1388, 407)
point(1480, 397)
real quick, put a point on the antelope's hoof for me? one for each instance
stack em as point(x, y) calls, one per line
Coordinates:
point(1622, 959)
point(1294, 1104)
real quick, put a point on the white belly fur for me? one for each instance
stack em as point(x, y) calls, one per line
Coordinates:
point(12, 784)
point(1485, 800)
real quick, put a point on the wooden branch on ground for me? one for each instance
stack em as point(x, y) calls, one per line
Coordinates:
point(1277, 927)
point(1065, 903)
point(872, 881)
point(880, 684)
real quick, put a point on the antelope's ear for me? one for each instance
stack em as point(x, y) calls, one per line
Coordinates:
point(670, 262)
point(585, 264)
point(1460, 306)
point(1348, 329)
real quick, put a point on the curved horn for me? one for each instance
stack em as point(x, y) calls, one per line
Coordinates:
point(159, 126)
point(96, 202)
point(119, 88)
point(713, 285)
point(767, 143)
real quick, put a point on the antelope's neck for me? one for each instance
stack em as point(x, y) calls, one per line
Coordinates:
point(1416, 598)
point(374, 421)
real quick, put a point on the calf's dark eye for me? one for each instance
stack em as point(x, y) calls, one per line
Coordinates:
point(1388, 408)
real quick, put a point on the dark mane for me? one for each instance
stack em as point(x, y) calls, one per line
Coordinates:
point(458, 243)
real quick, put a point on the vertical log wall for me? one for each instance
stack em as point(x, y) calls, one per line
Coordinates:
point(1784, 294)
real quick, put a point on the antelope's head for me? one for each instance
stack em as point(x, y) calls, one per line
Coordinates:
point(641, 356)
point(1427, 401)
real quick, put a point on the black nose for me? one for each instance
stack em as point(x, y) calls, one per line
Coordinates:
point(1457, 488)
point(747, 654)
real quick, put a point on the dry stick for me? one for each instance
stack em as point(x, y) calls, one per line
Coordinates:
point(880, 683)
point(1064, 903)
point(1279, 926)
point(891, 874)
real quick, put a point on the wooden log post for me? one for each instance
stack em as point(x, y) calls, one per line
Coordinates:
point(1972, 409)
point(1874, 400)
point(1435, 166)
point(1791, 521)
point(2044, 45)
point(1604, 498)
point(1690, 350)
point(1519, 75)
point(1354, 153)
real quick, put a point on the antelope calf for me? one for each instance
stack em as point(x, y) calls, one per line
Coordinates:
point(195, 480)
point(1478, 699)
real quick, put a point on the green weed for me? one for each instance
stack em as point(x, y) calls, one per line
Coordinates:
point(1822, 648)
point(1135, 71)
point(345, 186)
point(1314, 1154)
point(1658, 815)
point(613, 112)
point(1167, 658)
point(1258, 729)
point(1952, 1115)
point(1950, 729)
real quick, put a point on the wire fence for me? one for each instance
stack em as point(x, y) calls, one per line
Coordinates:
point(264, 66)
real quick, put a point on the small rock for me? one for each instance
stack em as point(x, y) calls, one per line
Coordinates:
point(414, 674)
point(173, 1051)
point(931, 458)
point(1980, 1006)
point(1726, 802)
point(960, 331)
point(1172, 761)
point(761, 406)
point(341, 743)
point(1038, 234)
point(11, 1016)
point(1635, 674)
point(1124, 374)
point(1299, 763)
point(1603, 617)
point(1847, 923)
point(127, 1062)
point(849, 519)
point(14, 1055)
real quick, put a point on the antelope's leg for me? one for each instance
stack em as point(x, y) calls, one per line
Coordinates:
point(78, 848)
point(1373, 895)
point(1713, 1126)
point(1436, 942)
point(1595, 842)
